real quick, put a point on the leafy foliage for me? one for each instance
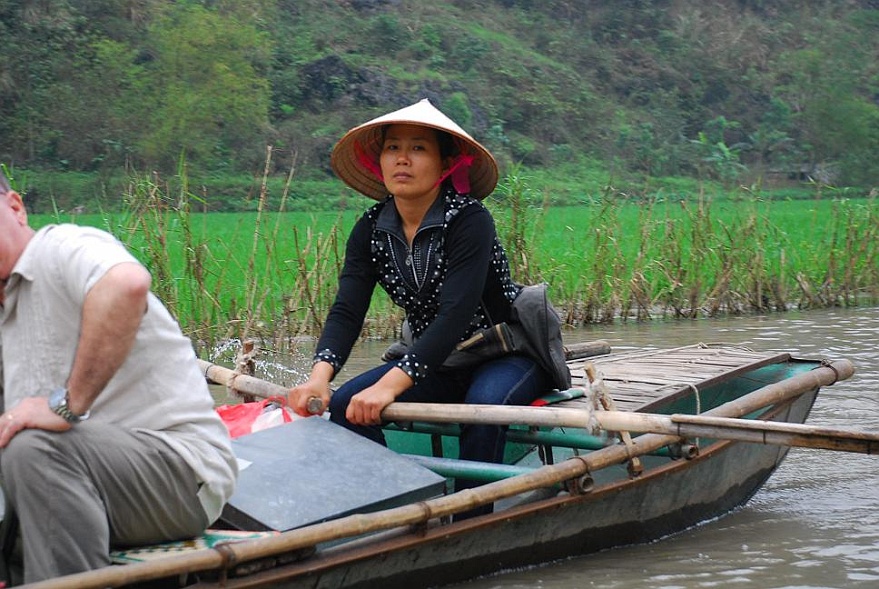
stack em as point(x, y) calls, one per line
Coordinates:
point(632, 86)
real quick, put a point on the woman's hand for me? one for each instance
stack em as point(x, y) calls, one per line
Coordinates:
point(303, 398)
point(30, 413)
point(365, 408)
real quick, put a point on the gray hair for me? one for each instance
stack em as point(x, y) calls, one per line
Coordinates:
point(4, 183)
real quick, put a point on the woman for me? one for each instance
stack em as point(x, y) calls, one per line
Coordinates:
point(432, 246)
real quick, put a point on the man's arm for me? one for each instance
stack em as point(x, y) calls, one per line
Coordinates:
point(111, 316)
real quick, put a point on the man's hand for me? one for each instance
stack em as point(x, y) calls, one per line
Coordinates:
point(30, 413)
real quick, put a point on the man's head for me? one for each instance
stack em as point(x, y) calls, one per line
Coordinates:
point(15, 233)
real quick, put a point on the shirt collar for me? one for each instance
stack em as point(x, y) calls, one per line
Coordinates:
point(24, 267)
point(389, 219)
point(23, 270)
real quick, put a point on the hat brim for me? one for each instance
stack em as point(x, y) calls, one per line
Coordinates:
point(483, 172)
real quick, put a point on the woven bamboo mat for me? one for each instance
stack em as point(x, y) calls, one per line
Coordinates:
point(636, 380)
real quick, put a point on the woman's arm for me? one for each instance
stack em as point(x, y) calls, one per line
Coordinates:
point(357, 282)
point(344, 321)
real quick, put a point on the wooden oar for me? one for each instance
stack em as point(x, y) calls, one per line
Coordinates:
point(680, 425)
point(686, 426)
point(580, 350)
point(415, 514)
point(241, 383)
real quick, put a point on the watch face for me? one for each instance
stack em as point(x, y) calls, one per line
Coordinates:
point(57, 398)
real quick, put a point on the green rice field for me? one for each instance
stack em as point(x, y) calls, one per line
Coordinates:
point(272, 275)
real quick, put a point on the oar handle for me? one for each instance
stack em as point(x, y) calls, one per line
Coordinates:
point(314, 405)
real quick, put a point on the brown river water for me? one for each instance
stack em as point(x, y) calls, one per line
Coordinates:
point(815, 524)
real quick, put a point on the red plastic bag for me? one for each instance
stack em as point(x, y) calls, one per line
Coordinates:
point(241, 418)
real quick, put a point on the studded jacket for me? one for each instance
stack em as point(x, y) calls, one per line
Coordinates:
point(454, 281)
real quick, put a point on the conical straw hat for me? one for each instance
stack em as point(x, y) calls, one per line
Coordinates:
point(364, 142)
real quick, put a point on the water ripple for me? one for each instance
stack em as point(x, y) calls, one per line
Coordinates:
point(814, 525)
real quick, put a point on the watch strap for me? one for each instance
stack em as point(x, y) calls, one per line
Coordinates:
point(59, 402)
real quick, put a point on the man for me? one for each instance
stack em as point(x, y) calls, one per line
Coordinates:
point(108, 437)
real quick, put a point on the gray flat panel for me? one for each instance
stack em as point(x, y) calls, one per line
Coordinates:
point(312, 470)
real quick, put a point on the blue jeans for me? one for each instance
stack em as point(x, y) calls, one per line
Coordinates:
point(509, 380)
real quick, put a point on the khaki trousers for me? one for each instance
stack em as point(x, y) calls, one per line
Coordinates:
point(96, 487)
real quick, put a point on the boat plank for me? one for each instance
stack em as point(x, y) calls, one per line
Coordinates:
point(636, 380)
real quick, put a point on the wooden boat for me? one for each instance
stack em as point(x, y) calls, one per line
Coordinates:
point(722, 419)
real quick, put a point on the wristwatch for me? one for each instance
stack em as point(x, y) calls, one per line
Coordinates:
point(58, 402)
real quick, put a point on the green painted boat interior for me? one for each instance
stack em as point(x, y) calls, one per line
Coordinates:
point(529, 448)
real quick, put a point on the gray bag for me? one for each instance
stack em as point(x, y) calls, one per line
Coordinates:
point(534, 329)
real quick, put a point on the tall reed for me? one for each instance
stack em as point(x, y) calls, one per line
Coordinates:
point(647, 257)
point(202, 278)
point(272, 275)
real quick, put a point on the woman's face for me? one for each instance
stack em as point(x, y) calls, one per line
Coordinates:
point(410, 161)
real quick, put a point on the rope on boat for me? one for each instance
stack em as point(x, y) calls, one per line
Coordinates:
point(697, 396)
point(602, 395)
point(825, 363)
point(244, 364)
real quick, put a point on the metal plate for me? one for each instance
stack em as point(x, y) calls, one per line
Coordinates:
point(312, 470)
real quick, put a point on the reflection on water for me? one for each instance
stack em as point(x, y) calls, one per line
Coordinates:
point(815, 524)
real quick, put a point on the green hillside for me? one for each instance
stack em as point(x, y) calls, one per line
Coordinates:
point(735, 92)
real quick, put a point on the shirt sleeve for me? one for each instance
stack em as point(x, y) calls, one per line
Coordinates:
point(348, 312)
point(85, 256)
point(468, 249)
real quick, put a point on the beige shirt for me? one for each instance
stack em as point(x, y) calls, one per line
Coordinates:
point(158, 390)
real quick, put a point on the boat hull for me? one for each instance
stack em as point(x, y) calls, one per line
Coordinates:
point(664, 500)
point(534, 521)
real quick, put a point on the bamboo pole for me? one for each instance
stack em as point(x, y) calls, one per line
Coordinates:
point(231, 554)
point(586, 349)
point(249, 385)
point(680, 425)
point(685, 426)
point(491, 415)
point(788, 434)
point(241, 383)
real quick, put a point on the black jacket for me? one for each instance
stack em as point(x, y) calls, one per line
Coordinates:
point(454, 282)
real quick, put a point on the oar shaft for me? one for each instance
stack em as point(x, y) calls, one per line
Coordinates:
point(488, 414)
point(684, 426)
point(689, 426)
point(742, 430)
point(581, 350)
point(241, 383)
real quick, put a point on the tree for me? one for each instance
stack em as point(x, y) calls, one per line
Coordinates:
point(723, 161)
point(203, 92)
point(830, 86)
